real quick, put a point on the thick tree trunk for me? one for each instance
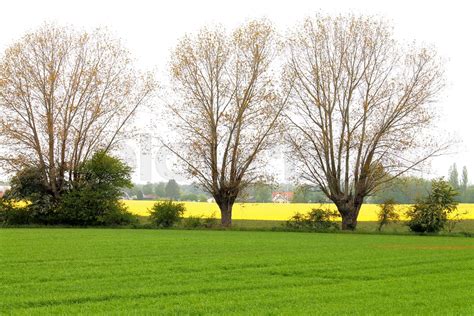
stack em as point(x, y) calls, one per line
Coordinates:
point(349, 212)
point(349, 220)
point(226, 212)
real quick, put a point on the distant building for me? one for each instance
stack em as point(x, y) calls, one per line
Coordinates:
point(282, 197)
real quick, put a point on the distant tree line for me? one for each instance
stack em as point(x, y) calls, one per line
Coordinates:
point(403, 190)
point(170, 190)
point(408, 190)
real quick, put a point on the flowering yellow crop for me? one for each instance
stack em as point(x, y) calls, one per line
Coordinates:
point(274, 211)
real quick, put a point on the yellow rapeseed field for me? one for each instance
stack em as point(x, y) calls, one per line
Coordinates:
point(273, 211)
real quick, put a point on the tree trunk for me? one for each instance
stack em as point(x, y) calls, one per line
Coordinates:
point(349, 221)
point(226, 213)
point(349, 212)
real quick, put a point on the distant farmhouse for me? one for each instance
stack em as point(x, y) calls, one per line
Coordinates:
point(282, 197)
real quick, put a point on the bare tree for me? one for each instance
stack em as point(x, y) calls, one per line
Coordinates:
point(360, 107)
point(65, 94)
point(226, 110)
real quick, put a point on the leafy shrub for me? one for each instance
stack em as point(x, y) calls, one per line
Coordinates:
point(200, 221)
point(87, 207)
point(27, 184)
point(387, 214)
point(94, 197)
point(43, 210)
point(117, 217)
point(166, 213)
point(192, 222)
point(430, 214)
point(317, 219)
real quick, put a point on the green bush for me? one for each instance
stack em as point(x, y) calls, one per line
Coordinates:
point(87, 207)
point(200, 221)
point(317, 219)
point(94, 198)
point(27, 184)
point(430, 215)
point(44, 210)
point(192, 222)
point(387, 214)
point(166, 213)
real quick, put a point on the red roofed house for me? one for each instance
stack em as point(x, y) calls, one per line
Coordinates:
point(282, 197)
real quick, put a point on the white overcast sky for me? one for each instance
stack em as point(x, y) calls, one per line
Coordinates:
point(150, 29)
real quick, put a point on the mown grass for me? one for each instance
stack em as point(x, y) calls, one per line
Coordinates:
point(67, 271)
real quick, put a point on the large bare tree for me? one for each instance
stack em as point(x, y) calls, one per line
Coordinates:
point(360, 106)
point(226, 109)
point(65, 94)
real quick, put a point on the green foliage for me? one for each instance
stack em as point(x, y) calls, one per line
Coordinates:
point(105, 173)
point(172, 190)
point(453, 176)
point(194, 222)
point(27, 184)
point(430, 214)
point(464, 179)
point(43, 210)
point(387, 214)
point(91, 199)
point(193, 197)
point(87, 207)
point(185, 192)
point(202, 198)
point(317, 219)
point(139, 194)
point(166, 213)
point(160, 189)
point(308, 194)
point(94, 199)
point(262, 192)
point(404, 190)
point(189, 197)
point(148, 189)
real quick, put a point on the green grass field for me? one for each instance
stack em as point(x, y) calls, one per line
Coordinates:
point(66, 271)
